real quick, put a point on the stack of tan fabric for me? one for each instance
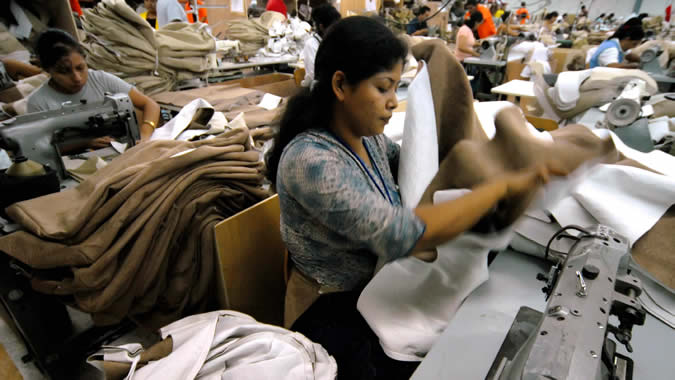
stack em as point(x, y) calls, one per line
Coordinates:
point(251, 34)
point(137, 236)
point(119, 41)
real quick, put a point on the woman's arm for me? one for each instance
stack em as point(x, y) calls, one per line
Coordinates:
point(447, 220)
point(19, 70)
point(150, 112)
point(464, 45)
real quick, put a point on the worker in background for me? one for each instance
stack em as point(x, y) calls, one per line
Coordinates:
point(203, 15)
point(150, 14)
point(612, 52)
point(583, 12)
point(71, 80)
point(170, 11)
point(487, 28)
point(500, 11)
point(277, 6)
point(522, 13)
point(466, 42)
point(341, 211)
point(75, 7)
point(506, 28)
point(547, 25)
point(322, 17)
point(418, 26)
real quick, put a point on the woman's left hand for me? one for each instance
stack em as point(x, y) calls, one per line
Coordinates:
point(100, 142)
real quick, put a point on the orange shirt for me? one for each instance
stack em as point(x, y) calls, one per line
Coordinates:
point(191, 15)
point(487, 28)
point(521, 11)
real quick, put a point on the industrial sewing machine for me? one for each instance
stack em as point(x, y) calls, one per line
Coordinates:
point(570, 340)
point(39, 136)
point(492, 48)
point(649, 61)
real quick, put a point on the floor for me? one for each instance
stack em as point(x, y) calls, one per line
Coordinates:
point(13, 348)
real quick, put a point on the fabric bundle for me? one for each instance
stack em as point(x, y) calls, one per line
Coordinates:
point(577, 91)
point(136, 238)
point(219, 345)
point(251, 34)
point(119, 41)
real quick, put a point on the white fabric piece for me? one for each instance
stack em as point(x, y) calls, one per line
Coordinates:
point(23, 27)
point(418, 161)
point(659, 128)
point(539, 56)
point(409, 302)
point(394, 129)
point(521, 50)
point(232, 345)
point(175, 126)
point(270, 102)
point(566, 90)
point(640, 198)
point(5, 161)
point(408, 323)
point(656, 160)
point(119, 147)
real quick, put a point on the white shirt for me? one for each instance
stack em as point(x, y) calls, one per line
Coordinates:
point(169, 11)
point(610, 55)
point(309, 55)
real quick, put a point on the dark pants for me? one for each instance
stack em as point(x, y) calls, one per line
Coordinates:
point(334, 322)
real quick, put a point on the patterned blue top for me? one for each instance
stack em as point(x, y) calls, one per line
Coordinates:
point(334, 220)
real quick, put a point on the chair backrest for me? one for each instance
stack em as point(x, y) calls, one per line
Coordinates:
point(251, 262)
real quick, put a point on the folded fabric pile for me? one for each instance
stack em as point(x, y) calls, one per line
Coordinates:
point(219, 345)
point(119, 41)
point(251, 34)
point(137, 236)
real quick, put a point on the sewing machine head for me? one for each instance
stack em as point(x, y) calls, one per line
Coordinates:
point(649, 60)
point(490, 48)
point(38, 136)
point(570, 339)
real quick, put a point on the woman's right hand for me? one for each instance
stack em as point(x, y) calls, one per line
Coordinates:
point(525, 180)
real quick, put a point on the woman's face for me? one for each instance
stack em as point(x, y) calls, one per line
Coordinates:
point(627, 44)
point(370, 103)
point(69, 74)
point(150, 5)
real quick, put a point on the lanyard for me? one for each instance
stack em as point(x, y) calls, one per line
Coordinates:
point(384, 192)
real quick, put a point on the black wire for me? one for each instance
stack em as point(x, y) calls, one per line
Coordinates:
point(426, 19)
point(585, 232)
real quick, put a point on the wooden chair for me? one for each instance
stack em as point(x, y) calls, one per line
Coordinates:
point(252, 262)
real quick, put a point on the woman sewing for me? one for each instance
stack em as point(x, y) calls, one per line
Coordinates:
point(335, 173)
point(612, 52)
point(465, 37)
point(71, 80)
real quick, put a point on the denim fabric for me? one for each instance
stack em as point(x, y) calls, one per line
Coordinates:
point(334, 221)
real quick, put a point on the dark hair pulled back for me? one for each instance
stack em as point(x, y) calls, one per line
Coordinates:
point(358, 46)
point(54, 44)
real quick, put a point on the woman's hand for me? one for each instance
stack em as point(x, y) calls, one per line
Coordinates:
point(100, 142)
point(528, 179)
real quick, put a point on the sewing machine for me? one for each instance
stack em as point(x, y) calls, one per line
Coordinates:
point(491, 49)
point(38, 136)
point(570, 340)
point(649, 61)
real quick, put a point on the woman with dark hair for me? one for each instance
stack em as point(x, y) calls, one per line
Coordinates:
point(71, 80)
point(465, 37)
point(335, 173)
point(611, 52)
point(322, 17)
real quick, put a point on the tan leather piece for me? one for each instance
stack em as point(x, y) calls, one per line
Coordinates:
point(472, 162)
